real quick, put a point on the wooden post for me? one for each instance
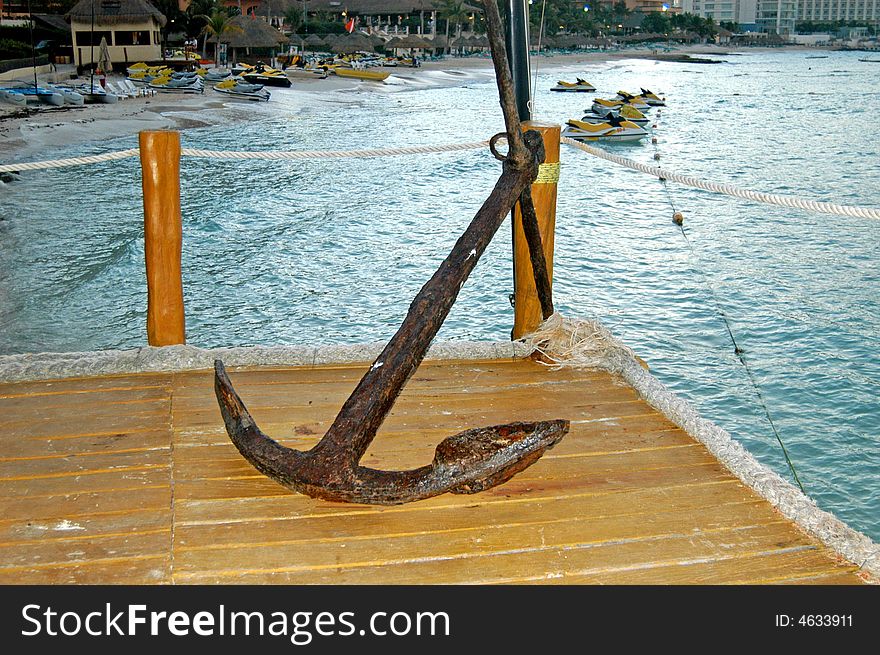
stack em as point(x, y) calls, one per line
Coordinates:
point(163, 237)
point(527, 308)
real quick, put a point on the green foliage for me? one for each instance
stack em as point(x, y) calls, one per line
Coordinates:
point(11, 49)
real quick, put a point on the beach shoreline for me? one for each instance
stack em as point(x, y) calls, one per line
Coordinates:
point(24, 134)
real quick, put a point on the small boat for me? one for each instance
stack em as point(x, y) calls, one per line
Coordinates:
point(178, 84)
point(872, 61)
point(579, 85)
point(262, 74)
point(93, 93)
point(214, 74)
point(603, 107)
point(361, 74)
point(640, 99)
point(613, 130)
point(652, 98)
point(71, 97)
point(239, 89)
point(35, 94)
point(627, 112)
point(17, 99)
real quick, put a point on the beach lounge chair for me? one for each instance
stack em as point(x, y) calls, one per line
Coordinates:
point(112, 88)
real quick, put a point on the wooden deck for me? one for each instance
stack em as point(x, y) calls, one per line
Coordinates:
point(132, 479)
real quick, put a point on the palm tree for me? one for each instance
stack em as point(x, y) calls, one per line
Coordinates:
point(454, 12)
point(216, 25)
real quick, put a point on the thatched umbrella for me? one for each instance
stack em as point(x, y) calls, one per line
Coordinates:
point(352, 43)
point(248, 32)
point(481, 41)
point(413, 42)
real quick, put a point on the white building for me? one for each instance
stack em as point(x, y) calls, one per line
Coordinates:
point(734, 11)
point(820, 11)
point(777, 16)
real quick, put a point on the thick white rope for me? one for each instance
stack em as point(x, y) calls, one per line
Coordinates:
point(73, 161)
point(229, 154)
point(729, 189)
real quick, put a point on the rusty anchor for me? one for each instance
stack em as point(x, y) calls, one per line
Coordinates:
point(467, 462)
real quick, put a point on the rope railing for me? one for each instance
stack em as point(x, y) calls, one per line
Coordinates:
point(231, 154)
point(656, 171)
point(729, 189)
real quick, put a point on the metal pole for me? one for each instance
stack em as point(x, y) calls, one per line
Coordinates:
point(518, 53)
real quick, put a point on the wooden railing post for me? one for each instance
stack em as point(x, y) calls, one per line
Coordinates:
point(527, 308)
point(163, 237)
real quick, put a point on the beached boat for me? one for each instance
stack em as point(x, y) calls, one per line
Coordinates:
point(93, 93)
point(16, 99)
point(361, 74)
point(34, 94)
point(612, 129)
point(178, 84)
point(240, 89)
point(262, 74)
point(211, 75)
point(71, 96)
point(578, 86)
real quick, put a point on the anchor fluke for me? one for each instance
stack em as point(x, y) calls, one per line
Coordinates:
point(467, 462)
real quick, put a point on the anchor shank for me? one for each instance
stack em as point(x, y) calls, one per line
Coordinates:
point(362, 414)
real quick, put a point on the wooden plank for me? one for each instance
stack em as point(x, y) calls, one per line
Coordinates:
point(437, 532)
point(87, 467)
point(766, 567)
point(60, 466)
point(495, 372)
point(85, 385)
point(471, 566)
point(65, 552)
point(78, 506)
point(129, 479)
point(144, 569)
point(31, 407)
point(111, 442)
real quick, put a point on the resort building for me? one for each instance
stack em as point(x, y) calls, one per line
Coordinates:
point(131, 29)
point(824, 11)
point(777, 16)
point(742, 12)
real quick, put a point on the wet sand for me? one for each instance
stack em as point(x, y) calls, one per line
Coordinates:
point(26, 134)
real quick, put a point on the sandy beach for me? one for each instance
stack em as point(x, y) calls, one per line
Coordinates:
point(24, 133)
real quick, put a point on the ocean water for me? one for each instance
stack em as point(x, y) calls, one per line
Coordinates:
point(332, 251)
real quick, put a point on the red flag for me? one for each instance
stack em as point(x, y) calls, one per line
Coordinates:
point(349, 26)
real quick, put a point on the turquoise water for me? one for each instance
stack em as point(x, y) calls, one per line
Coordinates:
point(333, 251)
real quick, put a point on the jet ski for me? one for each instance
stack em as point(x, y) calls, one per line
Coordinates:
point(627, 112)
point(614, 129)
point(178, 84)
point(240, 89)
point(579, 85)
point(652, 101)
point(602, 106)
point(652, 98)
point(262, 74)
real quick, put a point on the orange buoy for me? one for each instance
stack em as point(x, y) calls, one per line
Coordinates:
point(653, 139)
point(678, 218)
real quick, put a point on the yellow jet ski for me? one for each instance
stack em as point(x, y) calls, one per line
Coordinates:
point(579, 85)
point(614, 129)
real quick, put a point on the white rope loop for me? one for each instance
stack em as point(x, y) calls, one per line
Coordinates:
point(729, 189)
point(230, 154)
